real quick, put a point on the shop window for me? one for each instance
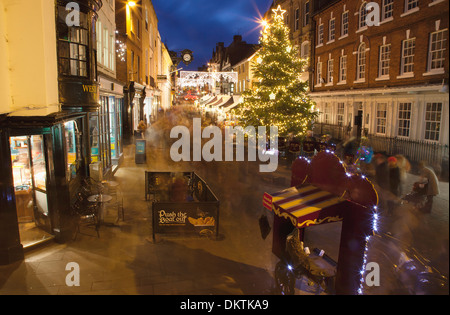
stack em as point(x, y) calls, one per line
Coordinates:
point(72, 45)
point(94, 132)
point(30, 186)
point(73, 149)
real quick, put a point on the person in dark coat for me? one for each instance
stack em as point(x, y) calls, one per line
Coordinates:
point(382, 172)
point(394, 176)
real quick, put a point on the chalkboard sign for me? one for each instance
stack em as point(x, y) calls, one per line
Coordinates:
point(200, 218)
point(140, 151)
point(191, 208)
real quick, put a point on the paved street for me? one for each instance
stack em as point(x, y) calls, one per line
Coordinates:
point(124, 260)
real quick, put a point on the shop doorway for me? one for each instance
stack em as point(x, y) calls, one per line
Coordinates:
point(29, 167)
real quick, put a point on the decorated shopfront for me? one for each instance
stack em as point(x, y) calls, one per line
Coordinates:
point(43, 158)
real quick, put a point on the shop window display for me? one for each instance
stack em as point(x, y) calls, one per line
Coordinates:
point(72, 148)
point(30, 185)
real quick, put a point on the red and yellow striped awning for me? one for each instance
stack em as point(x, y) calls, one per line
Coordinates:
point(305, 205)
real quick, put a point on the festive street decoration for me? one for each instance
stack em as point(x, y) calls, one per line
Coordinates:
point(278, 96)
point(202, 78)
point(121, 50)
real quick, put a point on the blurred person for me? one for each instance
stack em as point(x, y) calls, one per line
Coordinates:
point(394, 176)
point(428, 177)
point(404, 167)
point(349, 148)
point(142, 126)
point(309, 144)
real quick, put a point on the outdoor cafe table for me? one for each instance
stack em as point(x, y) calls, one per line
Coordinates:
point(102, 199)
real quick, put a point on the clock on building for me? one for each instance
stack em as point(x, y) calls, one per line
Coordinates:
point(187, 56)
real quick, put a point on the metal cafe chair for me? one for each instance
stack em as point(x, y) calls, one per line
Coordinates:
point(86, 213)
point(91, 186)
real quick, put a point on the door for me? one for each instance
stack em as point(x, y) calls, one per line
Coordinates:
point(359, 123)
point(29, 166)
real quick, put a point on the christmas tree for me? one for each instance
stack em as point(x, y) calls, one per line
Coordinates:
point(278, 96)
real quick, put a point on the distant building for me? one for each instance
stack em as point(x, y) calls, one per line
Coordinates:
point(384, 82)
point(137, 65)
point(106, 124)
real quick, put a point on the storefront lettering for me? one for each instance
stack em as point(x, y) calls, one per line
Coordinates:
point(172, 217)
point(90, 88)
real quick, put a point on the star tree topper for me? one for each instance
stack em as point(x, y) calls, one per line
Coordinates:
point(279, 12)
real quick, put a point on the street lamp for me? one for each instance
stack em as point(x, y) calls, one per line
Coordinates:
point(131, 3)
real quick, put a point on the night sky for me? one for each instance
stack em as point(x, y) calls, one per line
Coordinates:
point(199, 25)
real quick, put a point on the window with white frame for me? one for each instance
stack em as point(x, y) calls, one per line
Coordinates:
point(433, 113)
point(343, 68)
point(326, 113)
point(304, 53)
point(404, 119)
point(344, 26)
point(385, 57)
point(381, 118)
point(362, 15)
point(340, 114)
point(408, 49)
point(306, 14)
point(297, 19)
point(106, 48)
point(388, 9)
point(99, 41)
point(330, 71)
point(319, 73)
point(411, 4)
point(320, 35)
point(436, 55)
point(331, 29)
point(361, 62)
point(112, 56)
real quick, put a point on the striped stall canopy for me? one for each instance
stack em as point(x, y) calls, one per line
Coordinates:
point(305, 205)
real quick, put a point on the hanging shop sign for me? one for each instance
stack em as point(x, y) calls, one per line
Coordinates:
point(78, 94)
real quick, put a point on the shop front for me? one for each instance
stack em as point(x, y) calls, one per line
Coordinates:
point(42, 161)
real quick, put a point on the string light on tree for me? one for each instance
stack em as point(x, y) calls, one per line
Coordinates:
point(278, 96)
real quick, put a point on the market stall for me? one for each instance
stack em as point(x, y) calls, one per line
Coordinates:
point(321, 192)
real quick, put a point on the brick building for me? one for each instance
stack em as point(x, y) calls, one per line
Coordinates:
point(385, 82)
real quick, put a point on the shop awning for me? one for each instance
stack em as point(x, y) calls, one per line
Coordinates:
point(223, 100)
point(305, 205)
point(233, 103)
